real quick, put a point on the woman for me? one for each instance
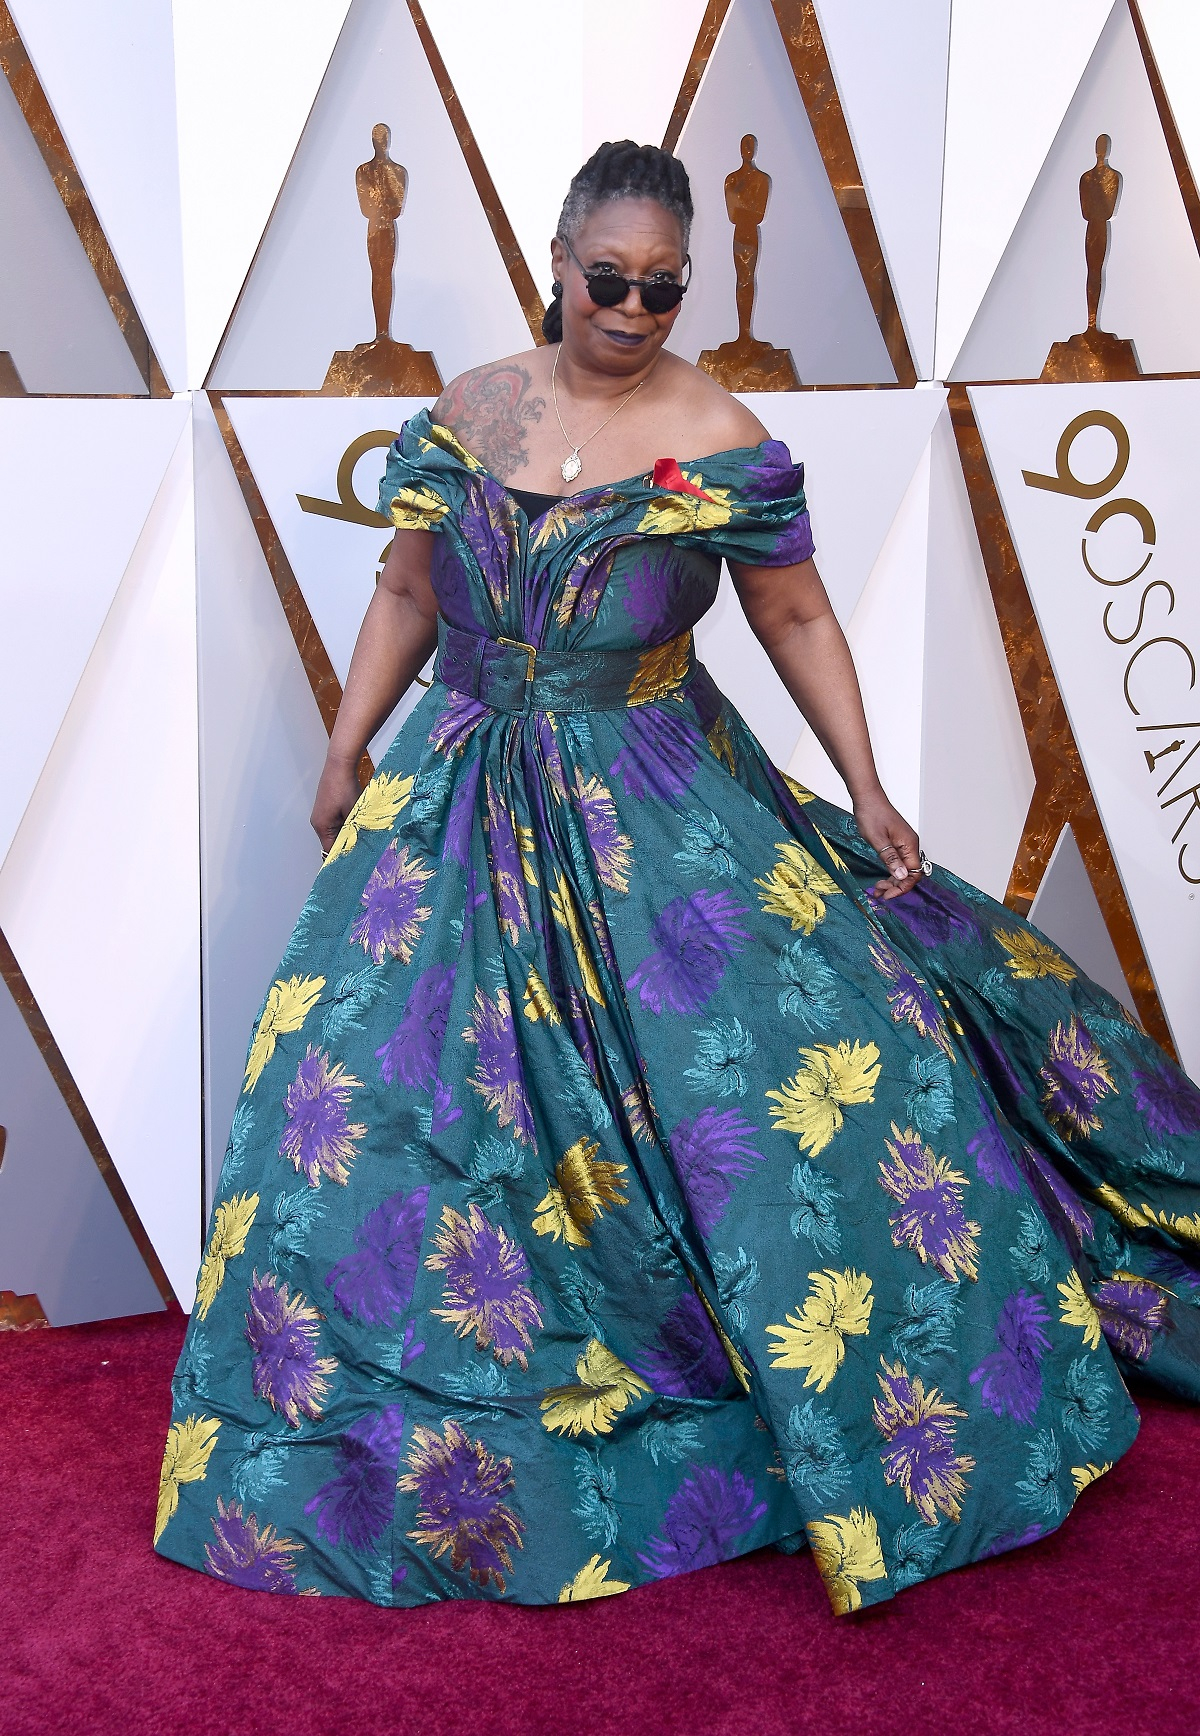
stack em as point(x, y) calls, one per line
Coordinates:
point(626, 1176)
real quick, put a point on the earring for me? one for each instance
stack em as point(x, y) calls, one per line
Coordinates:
point(556, 292)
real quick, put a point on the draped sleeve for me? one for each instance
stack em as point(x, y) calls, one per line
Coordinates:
point(746, 506)
point(425, 475)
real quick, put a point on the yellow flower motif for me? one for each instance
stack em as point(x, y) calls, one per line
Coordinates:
point(660, 670)
point(185, 1460)
point(416, 508)
point(607, 1386)
point(797, 887)
point(555, 524)
point(1029, 957)
point(681, 514)
point(539, 1003)
point(1121, 1209)
point(810, 1103)
point(829, 850)
point(528, 847)
point(585, 1187)
point(1188, 1228)
point(802, 795)
point(288, 1005)
point(448, 441)
point(374, 811)
point(231, 1226)
point(721, 742)
point(636, 1103)
point(591, 1581)
point(847, 1552)
point(562, 903)
point(1076, 1309)
point(1083, 1475)
point(837, 1306)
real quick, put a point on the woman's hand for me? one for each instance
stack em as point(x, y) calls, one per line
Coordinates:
point(336, 794)
point(895, 842)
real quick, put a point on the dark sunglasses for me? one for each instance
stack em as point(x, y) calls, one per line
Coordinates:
point(607, 289)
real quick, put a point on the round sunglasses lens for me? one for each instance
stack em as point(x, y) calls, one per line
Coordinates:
point(607, 291)
point(661, 297)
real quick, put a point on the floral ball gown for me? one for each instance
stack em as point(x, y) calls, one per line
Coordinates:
point(616, 1186)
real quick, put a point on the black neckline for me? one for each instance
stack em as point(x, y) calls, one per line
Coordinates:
point(533, 504)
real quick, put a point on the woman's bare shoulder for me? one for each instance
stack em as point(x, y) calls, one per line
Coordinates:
point(716, 420)
point(489, 409)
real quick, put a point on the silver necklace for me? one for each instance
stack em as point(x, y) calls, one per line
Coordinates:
point(570, 467)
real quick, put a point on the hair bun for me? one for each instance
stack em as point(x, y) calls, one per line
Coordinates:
point(552, 318)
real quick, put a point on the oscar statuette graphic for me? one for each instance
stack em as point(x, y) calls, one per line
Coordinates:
point(1094, 354)
point(747, 364)
point(383, 367)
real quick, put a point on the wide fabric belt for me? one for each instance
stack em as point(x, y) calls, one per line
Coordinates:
point(511, 676)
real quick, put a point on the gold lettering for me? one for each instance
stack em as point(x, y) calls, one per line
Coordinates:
point(348, 506)
point(1154, 585)
point(1119, 509)
point(1064, 480)
point(1163, 639)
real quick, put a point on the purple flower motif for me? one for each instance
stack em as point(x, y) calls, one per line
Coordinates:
point(711, 1153)
point(661, 596)
point(705, 1518)
point(461, 818)
point(775, 477)
point(1132, 1311)
point(1075, 1077)
point(318, 1135)
point(920, 1427)
point(459, 1483)
point(993, 1159)
point(392, 920)
point(1169, 1103)
point(282, 1331)
point(660, 755)
point(498, 1076)
point(1064, 1210)
point(1010, 1379)
point(934, 914)
point(484, 1291)
point(911, 1000)
point(695, 936)
point(685, 1359)
point(375, 1283)
point(355, 1507)
point(612, 850)
point(247, 1556)
point(412, 1052)
point(506, 865)
point(551, 755)
point(445, 1111)
point(930, 1193)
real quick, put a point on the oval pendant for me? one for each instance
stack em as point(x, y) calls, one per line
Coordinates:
point(571, 467)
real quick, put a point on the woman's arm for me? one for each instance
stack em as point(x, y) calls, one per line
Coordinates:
point(398, 634)
point(790, 614)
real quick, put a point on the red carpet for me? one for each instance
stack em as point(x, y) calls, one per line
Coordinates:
point(1094, 1630)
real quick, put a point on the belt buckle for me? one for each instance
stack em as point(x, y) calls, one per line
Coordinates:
point(529, 650)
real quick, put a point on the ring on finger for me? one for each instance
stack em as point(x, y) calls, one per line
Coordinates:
point(926, 864)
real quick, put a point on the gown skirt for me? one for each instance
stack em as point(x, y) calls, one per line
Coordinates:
point(616, 1185)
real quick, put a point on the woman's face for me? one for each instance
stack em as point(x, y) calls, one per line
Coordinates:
point(629, 238)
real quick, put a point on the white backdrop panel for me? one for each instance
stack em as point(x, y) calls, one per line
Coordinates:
point(1152, 274)
point(99, 896)
point(62, 1239)
point(109, 72)
point(293, 447)
point(56, 584)
point(811, 297)
point(1130, 687)
point(54, 317)
point(246, 78)
point(859, 451)
point(976, 777)
point(1013, 72)
point(309, 290)
point(890, 63)
point(262, 745)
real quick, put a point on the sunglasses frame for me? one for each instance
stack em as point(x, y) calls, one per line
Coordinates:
point(641, 284)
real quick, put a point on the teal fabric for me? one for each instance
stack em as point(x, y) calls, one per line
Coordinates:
point(616, 1186)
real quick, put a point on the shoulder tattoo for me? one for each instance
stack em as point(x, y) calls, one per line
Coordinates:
point(489, 410)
